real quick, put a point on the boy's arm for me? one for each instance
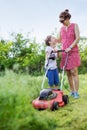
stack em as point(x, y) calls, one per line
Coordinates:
point(47, 54)
point(57, 54)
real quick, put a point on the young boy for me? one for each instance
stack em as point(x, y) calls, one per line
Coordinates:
point(50, 62)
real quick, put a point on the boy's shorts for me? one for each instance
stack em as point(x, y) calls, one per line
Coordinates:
point(53, 77)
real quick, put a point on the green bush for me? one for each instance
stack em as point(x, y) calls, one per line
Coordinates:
point(23, 55)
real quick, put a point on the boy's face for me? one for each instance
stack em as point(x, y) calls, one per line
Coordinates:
point(53, 40)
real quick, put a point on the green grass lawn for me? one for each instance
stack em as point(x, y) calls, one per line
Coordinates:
point(74, 115)
point(17, 113)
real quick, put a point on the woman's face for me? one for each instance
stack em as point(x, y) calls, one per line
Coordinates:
point(64, 21)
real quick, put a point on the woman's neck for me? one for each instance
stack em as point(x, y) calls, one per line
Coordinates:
point(68, 24)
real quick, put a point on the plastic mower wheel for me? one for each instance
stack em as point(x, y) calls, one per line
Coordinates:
point(55, 106)
point(66, 99)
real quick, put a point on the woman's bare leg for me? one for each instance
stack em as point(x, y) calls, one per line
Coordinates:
point(74, 73)
point(70, 80)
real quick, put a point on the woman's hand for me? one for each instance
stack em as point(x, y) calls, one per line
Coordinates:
point(68, 49)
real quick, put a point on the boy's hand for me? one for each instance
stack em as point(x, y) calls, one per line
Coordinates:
point(52, 56)
point(55, 51)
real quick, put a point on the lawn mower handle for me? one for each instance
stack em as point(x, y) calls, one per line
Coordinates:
point(57, 51)
point(60, 50)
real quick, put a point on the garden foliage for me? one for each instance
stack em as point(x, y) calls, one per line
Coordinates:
point(25, 55)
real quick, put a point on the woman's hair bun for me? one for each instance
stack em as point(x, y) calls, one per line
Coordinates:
point(65, 14)
point(66, 10)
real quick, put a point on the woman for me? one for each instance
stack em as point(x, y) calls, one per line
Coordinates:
point(69, 37)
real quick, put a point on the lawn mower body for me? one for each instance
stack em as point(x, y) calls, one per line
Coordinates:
point(50, 99)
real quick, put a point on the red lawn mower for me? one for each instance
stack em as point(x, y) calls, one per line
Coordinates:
point(51, 98)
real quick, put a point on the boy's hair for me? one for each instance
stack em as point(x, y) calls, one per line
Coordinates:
point(47, 40)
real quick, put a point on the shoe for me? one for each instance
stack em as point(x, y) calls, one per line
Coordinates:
point(76, 95)
point(72, 94)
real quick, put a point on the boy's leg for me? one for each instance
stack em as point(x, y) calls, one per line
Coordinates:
point(50, 78)
point(56, 78)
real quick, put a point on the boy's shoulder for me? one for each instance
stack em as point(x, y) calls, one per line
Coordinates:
point(48, 48)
